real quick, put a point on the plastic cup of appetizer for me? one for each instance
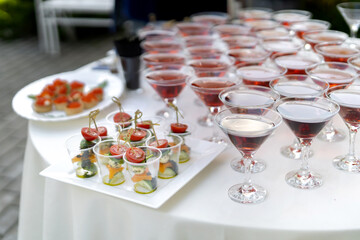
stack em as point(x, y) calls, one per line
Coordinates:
point(143, 166)
point(109, 155)
point(170, 147)
point(122, 120)
point(185, 150)
point(82, 155)
point(145, 123)
point(136, 139)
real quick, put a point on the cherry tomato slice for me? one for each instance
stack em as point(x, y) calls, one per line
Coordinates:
point(135, 155)
point(121, 117)
point(178, 127)
point(144, 124)
point(89, 134)
point(163, 143)
point(138, 135)
point(118, 149)
point(102, 131)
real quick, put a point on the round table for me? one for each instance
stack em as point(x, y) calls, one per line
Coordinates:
point(201, 209)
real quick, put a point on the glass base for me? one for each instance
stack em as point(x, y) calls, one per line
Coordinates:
point(347, 163)
point(245, 193)
point(331, 135)
point(164, 113)
point(303, 179)
point(205, 121)
point(256, 166)
point(213, 139)
point(293, 151)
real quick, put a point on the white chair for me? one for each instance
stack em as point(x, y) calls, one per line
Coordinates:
point(53, 13)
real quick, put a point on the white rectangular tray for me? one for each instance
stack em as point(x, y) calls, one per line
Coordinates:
point(202, 153)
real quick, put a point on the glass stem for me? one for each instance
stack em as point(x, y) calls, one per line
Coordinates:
point(247, 162)
point(353, 30)
point(305, 147)
point(213, 111)
point(352, 142)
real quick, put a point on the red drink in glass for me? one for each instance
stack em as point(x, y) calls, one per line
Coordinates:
point(251, 14)
point(208, 90)
point(258, 25)
point(210, 67)
point(336, 52)
point(164, 46)
point(193, 41)
point(204, 52)
point(355, 62)
point(296, 63)
point(192, 29)
point(288, 17)
point(210, 18)
point(282, 45)
point(249, 55)
point(310, 25)
point(153, 60)
point(157, 35)
point(167, 83)
point(259, 75)
point(228, 30)
point(329, 36)
point(276, 33)
point(235, 42)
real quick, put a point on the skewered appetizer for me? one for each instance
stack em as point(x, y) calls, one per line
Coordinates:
point(69, 97)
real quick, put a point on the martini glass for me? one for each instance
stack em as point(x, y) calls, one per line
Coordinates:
point(210, 18)
point(255, 55)
point(290, 16)
point(348, 97)
point(351, 13)
point(168, 84)
point(336, 52)
point(251, 14)
point(306, 117)
point(208, 89)
point(320, 36)
point(238, 99)
point(297, 85)
point(334, 73)
point(248, 131)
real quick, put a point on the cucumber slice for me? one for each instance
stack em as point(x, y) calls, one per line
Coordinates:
point(184, 157)
point(86, 144)
point(144, 186)
point(168, 173)
point(86, 173)
point(116, 180)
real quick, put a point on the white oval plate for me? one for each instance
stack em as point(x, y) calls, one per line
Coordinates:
point(22, 104)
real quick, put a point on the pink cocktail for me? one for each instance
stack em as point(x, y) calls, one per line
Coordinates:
point(297, 62)
point(310, 25)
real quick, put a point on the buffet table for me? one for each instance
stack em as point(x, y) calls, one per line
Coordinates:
point(54, 210)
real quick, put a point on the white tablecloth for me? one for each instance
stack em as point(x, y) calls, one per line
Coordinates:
point(201, 210)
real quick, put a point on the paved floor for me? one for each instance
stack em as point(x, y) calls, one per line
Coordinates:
point(21, 63)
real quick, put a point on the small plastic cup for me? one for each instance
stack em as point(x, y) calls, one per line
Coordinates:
point(82, 155)
point(111, 166)
point(169, 161)
point(144, 175)
point(141, 142)
point(185, 150)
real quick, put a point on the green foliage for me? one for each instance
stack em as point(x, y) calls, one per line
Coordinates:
point(17, 18)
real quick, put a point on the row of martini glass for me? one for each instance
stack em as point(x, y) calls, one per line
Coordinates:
point(244, 132)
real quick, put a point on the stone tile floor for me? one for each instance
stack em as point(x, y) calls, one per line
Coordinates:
point(21, 62)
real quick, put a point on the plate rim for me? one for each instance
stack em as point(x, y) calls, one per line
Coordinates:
point(49, 78)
